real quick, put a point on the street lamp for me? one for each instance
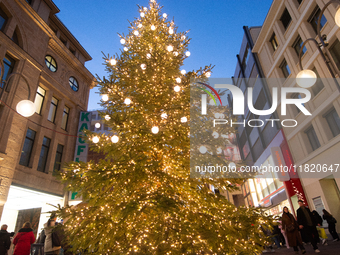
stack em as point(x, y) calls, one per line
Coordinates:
point(307, 78)
point(25, 107)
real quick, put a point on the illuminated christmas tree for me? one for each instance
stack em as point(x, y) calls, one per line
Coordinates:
point(140, 199)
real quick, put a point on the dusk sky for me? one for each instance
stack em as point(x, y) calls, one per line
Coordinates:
point(215, 29)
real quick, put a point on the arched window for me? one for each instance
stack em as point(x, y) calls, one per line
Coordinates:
point(51, 63)
point(73, 83)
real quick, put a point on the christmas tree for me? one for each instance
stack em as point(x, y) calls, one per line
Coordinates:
point(140, 199)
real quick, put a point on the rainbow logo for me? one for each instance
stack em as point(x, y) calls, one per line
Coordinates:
point(215, 92)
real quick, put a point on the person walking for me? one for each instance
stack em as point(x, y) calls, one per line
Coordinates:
point(291, 228)
point(307, 225)
point(319, 221)
point(50, 248)
point(23, 240)
point(331, 224)
point(5, 241)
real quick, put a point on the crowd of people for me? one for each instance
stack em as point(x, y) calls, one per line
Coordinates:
point(305, 228)
point(50, 239)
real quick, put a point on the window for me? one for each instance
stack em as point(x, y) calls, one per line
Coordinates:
point(246, 57)
point(8, 66)
point(3, 20)
point(273, 41)
point(39, 99)
point(318, 86)
point(313, 139)
point(43, 154)
point(285, 18)
point(58, 156)
point(53, 109)
point(15, 37)
point(285, 68)
point(64, 120)
point(73, 83)
point(296, 96)
point(335, 52)
point(333, 121)
point(51, 63)
point(297, 46)
point(313, 20)
point(27, 148)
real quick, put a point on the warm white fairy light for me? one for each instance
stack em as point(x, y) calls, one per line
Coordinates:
point(219, 150)
point(183, 37)
point(165, 15)
point(97, 125)
point(215, 134)
point(126, 49)
point(183, 72)
point(127, 101)
point(208, 74)
point(95, 139)
point(113, 61)
point(114, 139)
point(184, 119)
point(164, 115)
point(122, 41)
point(203, 149)
point(178, 80)
point(171, 31)
point(177, 88)
point(145, 9)
point(143, 66)
point(176, 53)
point(136, 32)
point(187, 53)
point(148, 55)
point(105, 97)
point(169, 48)
point(155, 129)
point(153, 27)
point(107, 117)
point(140, 25)
point(142, 14)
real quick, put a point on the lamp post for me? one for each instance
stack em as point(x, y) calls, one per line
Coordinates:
point(307, 78)
point(25, 107)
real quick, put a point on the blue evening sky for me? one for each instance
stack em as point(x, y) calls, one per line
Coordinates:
point(215, 29)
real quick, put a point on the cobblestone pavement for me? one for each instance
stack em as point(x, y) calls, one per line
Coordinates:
point(333, 248)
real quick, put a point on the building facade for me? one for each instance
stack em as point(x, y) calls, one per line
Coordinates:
point(314, 141)
point(35, 44)
point(262, 146)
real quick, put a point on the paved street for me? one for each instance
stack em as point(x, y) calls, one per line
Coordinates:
point(333, 248)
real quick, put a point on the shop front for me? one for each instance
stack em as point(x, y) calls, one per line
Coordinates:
point(277, 184)
point(24, 204)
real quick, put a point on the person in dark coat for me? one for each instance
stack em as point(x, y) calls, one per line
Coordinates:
point(5, 241)
point(331, 224)
point(291, 228)
point(307, 224)
point(23, 240)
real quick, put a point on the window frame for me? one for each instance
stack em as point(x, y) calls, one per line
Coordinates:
point(312, 135)
point(297, 46)
point(284, 65)
point(285, 14)
point(313, 19)
point(42, 101)
point(58, 156)
point(316, 88)
point(55, 107)
point(29, 150)
point(8, 69)
point(49, 63)
point(5, 17)
point(274, 42)
point(67, 114)
point(73, 84)
point(334, 127)
point(42, 168)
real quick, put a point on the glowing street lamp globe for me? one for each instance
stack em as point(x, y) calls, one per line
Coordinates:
point(306, 78)
point(26, 108)
point(337, 17)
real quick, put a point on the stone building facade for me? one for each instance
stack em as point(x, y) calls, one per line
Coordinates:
point(315, 140)
point(36, 44)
